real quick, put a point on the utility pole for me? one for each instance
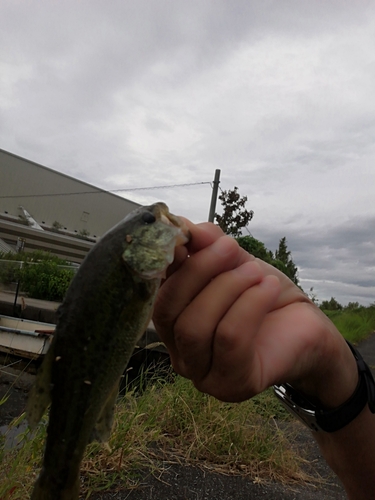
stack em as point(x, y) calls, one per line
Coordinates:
point(19, 248)
point(214, 196)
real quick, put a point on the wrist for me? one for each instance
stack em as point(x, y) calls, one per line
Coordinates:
point(319, 418)
point(333, 377)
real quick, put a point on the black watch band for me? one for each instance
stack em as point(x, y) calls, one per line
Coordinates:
point(320, 419)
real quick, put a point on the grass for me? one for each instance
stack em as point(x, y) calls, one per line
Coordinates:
point(171, 423)
point(166, 424)
point(354, 324)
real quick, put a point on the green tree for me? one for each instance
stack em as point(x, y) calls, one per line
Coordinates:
point(258, 249)
point(353, 306)
point(330, 305)
point(285, 263)
point(235, 216)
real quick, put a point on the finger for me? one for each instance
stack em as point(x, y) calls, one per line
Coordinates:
point(201, 235)
point(236, 372)
point(195, 327)
point(185, 284)
point(290, 292)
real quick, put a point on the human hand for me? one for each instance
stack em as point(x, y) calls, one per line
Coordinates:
point(235, 325)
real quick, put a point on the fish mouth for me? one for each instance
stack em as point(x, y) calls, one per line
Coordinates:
point(183, 235)
point(150, 249)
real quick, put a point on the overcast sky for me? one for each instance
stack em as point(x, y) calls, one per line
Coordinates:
point(279, 95)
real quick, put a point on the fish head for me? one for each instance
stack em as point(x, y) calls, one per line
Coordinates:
point(151, 240)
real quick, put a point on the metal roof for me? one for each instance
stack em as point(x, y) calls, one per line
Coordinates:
point(5, 248)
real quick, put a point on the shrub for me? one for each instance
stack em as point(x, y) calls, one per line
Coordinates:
point(41, 275)
point(45, 280)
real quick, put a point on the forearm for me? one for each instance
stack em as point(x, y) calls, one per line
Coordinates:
point(350, 452)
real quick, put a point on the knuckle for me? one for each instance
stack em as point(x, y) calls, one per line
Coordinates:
point(186, 337)
point(226, 337)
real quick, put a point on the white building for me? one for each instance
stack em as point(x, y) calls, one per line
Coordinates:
point(50, 210)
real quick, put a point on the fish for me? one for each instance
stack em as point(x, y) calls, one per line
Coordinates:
point(106, 309)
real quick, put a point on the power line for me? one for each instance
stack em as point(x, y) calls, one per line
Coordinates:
point(101, 191)
point(161, 187)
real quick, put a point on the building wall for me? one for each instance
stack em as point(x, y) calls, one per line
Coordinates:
point(66, 247)
point(50, 196)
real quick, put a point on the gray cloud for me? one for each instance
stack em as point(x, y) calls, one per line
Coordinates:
point(337, 260)
point(279, 95)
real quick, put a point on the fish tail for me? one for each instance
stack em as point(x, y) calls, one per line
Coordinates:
point(46, 489)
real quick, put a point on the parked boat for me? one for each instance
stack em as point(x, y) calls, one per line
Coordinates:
point(25, 338)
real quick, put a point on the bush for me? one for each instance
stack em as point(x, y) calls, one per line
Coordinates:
point(41, 275)
point(45, 280)
point(9, 272)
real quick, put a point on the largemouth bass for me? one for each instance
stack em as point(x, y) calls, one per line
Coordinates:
point(106, 310)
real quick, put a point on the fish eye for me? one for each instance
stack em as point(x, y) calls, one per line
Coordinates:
point(148, 218)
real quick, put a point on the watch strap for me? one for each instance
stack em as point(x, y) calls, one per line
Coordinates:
point(337, 418)
point(319, 418)
point(366, 373)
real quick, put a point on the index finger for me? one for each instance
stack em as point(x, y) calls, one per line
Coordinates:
point(202, 235)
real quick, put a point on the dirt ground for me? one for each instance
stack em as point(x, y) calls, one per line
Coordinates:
point(179, 482)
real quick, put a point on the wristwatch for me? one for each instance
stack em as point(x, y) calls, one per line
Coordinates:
point(316, 417)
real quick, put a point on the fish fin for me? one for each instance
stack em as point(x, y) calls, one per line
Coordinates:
point(102, 430)
point(40, 393)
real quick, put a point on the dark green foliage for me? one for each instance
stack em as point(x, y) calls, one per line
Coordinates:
point(36, 256)
point(41, 275)
point(45, 280)
point(287, 270)
point(256, 248)
point(286, 264)
point(330, 305)
point(235, 216)
point(282, 259)
point(352, 306)
point(8, 272)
